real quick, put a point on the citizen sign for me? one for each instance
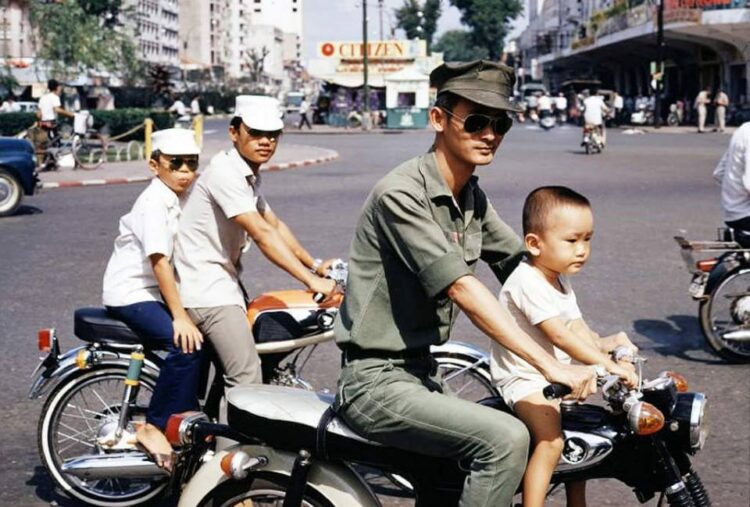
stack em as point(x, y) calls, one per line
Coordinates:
point(391, 49)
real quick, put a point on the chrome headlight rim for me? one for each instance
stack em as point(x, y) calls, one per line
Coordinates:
point(698, 428)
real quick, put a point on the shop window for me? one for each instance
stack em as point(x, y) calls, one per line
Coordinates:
point(407, 99)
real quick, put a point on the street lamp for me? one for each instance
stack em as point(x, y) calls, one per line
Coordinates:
point(659, 61)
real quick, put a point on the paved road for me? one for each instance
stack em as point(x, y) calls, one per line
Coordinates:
point(643, 189)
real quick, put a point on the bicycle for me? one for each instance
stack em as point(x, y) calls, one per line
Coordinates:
point(86, 146)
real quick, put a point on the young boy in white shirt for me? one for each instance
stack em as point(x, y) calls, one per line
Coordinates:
point(557, 226)
point(139, 285)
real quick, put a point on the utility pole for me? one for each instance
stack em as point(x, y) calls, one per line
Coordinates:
point(659, 62)
point(380, 7)
point(365, 58)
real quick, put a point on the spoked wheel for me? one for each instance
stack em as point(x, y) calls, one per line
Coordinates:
point(266, 491)
point(725, 317)
point(89, 153)
point(465, 377)
point(75, 417)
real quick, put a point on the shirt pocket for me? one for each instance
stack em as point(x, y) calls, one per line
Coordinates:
point(472, 247)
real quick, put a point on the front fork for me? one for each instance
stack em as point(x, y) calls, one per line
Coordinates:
point(683, 487)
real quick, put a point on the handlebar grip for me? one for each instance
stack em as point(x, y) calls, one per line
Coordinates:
point(555, 390)
point(318, 297)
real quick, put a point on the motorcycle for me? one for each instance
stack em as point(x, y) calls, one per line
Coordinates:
point(547, 120)
point(721, 285)
point(99, 391)
point(592, 140)
point(293, 449)
point(643, 114)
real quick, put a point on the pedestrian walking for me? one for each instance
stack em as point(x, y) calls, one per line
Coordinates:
point(721, 101)
point(701, 105)
point(304, 108)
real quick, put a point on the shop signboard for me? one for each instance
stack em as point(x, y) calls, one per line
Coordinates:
point(705, 5)
point(376, 50)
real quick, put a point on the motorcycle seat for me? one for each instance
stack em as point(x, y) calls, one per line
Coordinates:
point(96, 325)
point(287, 418)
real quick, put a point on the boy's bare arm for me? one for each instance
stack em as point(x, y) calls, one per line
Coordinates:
point(582, 348)
point(291, 240)
point(186, 335)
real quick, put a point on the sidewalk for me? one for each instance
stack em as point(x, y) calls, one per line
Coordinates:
point(288, 156)
point(686, 129)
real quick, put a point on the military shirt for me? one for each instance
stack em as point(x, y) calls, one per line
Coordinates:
point(412, 241)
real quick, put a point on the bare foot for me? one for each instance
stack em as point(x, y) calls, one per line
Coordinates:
point(157, 445)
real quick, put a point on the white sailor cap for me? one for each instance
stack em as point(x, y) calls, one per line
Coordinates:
point(259, 112)
point(175, 142)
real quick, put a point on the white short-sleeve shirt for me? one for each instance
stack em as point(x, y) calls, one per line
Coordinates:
point(149, 228)
point(733, 174)
point(593, 110)
point(531, 299)
point(47, 104)
point(210, 243)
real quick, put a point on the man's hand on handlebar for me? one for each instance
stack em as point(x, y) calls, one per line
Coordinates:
point(580, 379)
point(322, 270)
point(323, 286)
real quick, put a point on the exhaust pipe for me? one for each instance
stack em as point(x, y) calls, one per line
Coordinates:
point(131, 465)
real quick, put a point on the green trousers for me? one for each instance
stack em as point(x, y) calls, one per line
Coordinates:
point(403, 404)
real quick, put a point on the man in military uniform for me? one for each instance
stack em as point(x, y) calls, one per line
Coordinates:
point(422, 230)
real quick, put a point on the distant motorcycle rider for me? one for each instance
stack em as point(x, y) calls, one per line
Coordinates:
point(733, 174)
point(594, 112)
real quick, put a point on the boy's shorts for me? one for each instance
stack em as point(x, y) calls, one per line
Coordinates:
point(517, 388)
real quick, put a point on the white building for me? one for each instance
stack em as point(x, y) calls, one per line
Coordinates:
point(16, 41)
point(157, 30)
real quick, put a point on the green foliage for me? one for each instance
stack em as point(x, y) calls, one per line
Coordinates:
point(488, 21)
point(73, 40)
point(458, 46)
point(13, 123)
point(7, 81)
point(159, 80)
point(408, 19)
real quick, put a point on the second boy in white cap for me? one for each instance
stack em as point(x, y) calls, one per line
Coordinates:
point(223, 210)
point(140, 289)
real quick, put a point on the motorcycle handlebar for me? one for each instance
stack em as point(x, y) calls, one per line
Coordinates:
point(555, 390)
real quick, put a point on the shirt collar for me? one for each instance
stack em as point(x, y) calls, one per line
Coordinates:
point(242, 165)
point(165, 193)
point(434, 182)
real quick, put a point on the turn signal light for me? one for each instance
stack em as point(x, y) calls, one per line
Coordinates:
point(706, 265)
point(180, 427)
point(680, 382)
point(234, 464)
point(44, 340)
point(645, 419)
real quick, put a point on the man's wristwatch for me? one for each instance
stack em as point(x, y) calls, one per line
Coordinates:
point(315, 265)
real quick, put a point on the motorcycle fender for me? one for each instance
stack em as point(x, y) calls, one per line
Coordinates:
point(338, 484)
point(461, 349)
point(44, 379)
point(728, 263)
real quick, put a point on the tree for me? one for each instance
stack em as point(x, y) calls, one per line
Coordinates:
point(160, 82)
point(74, 37)
point(419, 27)
point(458, 46)
point(255, 62)
point(488, 21)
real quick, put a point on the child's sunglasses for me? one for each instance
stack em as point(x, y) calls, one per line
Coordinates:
point(176, 163)
point(478, 122)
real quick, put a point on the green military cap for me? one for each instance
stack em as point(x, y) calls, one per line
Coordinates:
point(482, 81)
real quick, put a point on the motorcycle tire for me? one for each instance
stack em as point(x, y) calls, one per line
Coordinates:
point(672, 120)
point(587, 148)
point(71, 395)
point(738, 352)
point(263, 489)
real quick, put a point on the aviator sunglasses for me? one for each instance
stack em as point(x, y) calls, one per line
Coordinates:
point(273, 135)
point(476, 122)
point(175, 163)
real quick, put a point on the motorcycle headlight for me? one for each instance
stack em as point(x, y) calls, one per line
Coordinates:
point(690, 424)
point(645, 419)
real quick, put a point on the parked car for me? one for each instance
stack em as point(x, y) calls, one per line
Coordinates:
point(27, 106)
point(18, 176)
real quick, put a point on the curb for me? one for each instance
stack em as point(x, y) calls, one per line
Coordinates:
point(139, 179)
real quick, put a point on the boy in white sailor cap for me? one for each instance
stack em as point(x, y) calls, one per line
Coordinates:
point(222, 211)
point(140, 288)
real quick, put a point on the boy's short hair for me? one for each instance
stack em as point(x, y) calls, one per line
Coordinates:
point(235, 122)
point(155, 155)
point(53, 84)
point(540, 202)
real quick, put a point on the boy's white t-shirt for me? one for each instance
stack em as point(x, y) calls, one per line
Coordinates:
point(149, 228)
point(531, 300)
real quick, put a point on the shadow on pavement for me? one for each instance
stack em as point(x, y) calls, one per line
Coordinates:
point(677, 335)
point(27, 210)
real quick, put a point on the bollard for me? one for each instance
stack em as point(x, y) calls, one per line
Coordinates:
point(198, 129)
point(148, 128)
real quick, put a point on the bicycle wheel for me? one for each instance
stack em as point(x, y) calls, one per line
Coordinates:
point(89, 153)
point(74, 417)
